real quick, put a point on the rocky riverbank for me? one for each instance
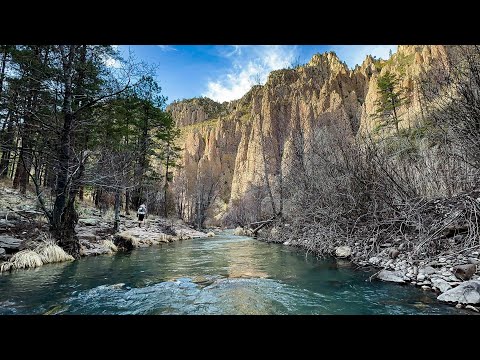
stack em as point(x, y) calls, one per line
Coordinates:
point(23, 227)
point(454, 277)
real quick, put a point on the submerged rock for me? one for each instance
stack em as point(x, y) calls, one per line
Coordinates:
point(391, 276)
point(467, 292)
point(343, 251)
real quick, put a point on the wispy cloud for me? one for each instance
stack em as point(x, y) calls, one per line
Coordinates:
point(167, 48)
point(355, 54)
point(250, 65)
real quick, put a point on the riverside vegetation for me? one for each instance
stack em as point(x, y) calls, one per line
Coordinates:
point(378, 164)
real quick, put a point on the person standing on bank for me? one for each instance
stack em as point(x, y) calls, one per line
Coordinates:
point(141, 212)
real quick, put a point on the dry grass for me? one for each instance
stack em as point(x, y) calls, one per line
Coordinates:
point(128, 239)
point(50, 252)
point(110, 245)
point(24, 259)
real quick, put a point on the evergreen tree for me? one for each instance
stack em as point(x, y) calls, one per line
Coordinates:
point(391, 98)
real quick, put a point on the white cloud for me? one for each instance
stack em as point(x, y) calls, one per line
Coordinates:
point(167, 48)
point(113, 63)
point(251, 64)
point(355, 54)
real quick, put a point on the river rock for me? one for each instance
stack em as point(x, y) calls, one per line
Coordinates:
point(210, 234)
point(467, 292)
point(374, 260)
point(464, 272)
point(86, 236)
point(89, 249)
point(88, 222)
point(425, 287)
point(441, 284)
point(9, 242)
point(343, 251)
point(470, 307)
point(393, 253)
point(427, 270)
point(6, 223)
point(391, 276)
point(420, 277)
point(473, 261)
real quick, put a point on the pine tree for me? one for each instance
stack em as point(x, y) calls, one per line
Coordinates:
point(391, 98)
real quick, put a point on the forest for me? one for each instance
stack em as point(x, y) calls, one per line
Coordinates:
point(73, 124)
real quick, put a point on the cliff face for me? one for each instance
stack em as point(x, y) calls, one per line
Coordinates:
point(227, 139)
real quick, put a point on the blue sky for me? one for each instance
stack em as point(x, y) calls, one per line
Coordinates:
point(227, 72)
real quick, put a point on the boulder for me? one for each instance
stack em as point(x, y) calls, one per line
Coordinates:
point(464, 272)
point(210, 234)
point(393, 253)
point(441, 284)
point(9, 242)
point(343, 251)
point(391, 276)
point(467, 292)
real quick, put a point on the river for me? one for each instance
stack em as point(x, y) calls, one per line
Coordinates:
point(222, 275)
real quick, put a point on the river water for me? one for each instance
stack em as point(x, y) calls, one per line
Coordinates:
point(222, 275)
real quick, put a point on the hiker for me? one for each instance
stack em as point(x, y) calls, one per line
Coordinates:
point(142, 211)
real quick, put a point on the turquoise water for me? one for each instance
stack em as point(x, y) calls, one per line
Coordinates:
point(222, 275)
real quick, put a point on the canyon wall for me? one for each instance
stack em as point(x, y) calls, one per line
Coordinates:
point(227, 139)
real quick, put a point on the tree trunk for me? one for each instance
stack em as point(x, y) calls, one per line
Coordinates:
point(8, 143)
point(3, 65)
point(116, 224)
point(80, 193)
point(127, 202)
point(64, 216)
point(165, 189)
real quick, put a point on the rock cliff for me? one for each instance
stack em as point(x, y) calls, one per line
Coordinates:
point(226, 139)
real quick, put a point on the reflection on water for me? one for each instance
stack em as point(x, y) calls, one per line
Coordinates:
point(221, 275)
